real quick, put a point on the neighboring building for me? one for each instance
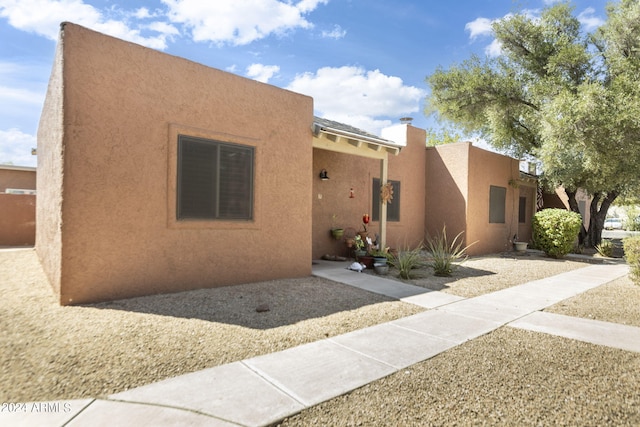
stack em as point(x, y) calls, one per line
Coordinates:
point(17, 205)
point(157, 175)
point(559, 200)
point(480, 193)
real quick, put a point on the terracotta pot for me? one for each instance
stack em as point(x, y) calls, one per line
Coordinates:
point(367, 261)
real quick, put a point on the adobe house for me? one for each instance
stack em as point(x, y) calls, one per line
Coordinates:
point(157, 174)
point(357, 164)
point(481, 193)
point(17, 205)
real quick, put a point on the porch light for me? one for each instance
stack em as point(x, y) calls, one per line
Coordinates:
point(323, 175)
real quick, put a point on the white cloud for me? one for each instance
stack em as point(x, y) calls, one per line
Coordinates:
point(352, 95)
point(336, 33)
point(588, 20)
point(15, 148)
point(239, 22)
point(43, 17)
point(261, 73)
point(12, 95)
point(479, 27)
point(494, 49)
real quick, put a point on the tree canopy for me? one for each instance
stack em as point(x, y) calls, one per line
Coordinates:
point(565, 96)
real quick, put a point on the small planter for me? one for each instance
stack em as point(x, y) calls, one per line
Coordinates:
point(337, 233)
point(381, 268)
point(379, 260)
point(360, 253)
point(367, 261)
point(520, 246)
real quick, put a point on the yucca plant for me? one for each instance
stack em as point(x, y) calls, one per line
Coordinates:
point(445, 254)
point(407, 260)
point(605, 248)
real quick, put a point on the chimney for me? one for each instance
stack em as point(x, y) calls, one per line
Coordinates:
point(406, 120)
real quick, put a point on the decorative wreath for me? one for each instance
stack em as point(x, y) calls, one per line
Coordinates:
point(386, 193)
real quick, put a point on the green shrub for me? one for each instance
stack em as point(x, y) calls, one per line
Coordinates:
point(407, 260)
point(632, 255)
point(605, 248)
point(555, 231)
point(633, 224)
point(445, 254)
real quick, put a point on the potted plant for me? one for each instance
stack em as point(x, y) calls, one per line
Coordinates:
point(358, 244)
point(336, 232)
point(379, 256)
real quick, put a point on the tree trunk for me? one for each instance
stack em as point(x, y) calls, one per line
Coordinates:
point(598, 209)
point(574, 207)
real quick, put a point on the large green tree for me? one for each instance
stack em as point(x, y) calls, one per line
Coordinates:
point(560, 94)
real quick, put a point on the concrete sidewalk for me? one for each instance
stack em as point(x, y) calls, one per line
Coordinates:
point(262, 390)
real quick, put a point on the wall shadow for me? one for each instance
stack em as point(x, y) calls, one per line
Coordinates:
point(263, 305)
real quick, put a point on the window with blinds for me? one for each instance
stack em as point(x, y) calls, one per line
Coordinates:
point(497, 204)
point(215, 180)
point(393, 207)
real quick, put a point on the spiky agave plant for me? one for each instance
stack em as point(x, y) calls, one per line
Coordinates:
point(445, 254)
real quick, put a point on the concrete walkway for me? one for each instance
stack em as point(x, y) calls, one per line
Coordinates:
point(262, 390)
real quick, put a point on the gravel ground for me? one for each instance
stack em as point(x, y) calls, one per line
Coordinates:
point(52, 352)
point(481, 275)
point(508, 377)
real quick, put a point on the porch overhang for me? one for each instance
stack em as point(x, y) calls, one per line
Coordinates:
point(345, 139)
point(333, 136)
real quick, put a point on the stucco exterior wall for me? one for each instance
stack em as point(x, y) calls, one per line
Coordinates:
point(409, 167)
point(459, 177)
point(123, 107)
point(447, 188)
point(332, 197)
point(17, 177)
point(49, 177)
point(346, 172)
point(17, 220)
point(17, 211)
point(488, 169)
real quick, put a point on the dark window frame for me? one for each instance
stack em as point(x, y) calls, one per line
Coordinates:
point(522, 210)
point(497, 204)
point(393, 208)
point(210, 188)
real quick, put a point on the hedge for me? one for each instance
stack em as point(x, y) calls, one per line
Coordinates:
point(632, 255)
point(555, 231)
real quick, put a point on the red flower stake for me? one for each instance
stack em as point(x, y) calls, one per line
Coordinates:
point(365, 221)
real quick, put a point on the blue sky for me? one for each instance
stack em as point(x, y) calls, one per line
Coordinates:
point(363, 61)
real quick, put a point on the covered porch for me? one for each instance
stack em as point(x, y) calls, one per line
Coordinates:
point(345, 162)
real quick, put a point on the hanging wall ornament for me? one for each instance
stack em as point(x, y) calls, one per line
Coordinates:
point(386, 193)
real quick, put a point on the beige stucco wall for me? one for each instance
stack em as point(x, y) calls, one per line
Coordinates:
point(348, 172)
point(49, 177)
point(112, 165)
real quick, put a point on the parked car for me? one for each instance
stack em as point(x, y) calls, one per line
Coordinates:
point(613, 224)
